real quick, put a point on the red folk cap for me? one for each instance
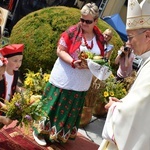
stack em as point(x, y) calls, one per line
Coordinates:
point(12, 50)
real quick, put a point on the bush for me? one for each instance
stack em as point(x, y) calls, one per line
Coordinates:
point(40, 31)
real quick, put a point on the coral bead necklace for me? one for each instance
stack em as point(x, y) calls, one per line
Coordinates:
point(86, 44)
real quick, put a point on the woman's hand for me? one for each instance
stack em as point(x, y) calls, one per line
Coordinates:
point(81, 64)
point(111, 101)
point(3, 106)
point(6, 121)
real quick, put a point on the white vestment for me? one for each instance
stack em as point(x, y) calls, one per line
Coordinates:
point(127, 125)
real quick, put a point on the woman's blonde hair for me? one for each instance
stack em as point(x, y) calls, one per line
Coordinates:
point(90, 8)
point(109, 32)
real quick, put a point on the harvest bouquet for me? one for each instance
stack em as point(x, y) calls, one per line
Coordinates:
point(95, 58)
point(25, 108)
point(98, 66)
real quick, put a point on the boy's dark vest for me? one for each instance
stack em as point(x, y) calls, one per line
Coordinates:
point(3, 86)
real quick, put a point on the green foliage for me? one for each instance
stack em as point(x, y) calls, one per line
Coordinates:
point(40, 31)
point(111, 88)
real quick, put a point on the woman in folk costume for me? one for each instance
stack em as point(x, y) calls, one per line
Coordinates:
point(127, 122)
point(9, 75)
point(70, 79)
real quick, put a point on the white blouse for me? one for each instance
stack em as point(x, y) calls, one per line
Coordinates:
point(9, 80)
point(66, 77)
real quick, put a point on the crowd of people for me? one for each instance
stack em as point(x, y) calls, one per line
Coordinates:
point(71, 78)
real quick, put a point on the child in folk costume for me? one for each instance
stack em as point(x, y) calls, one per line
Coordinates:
point(10, 62)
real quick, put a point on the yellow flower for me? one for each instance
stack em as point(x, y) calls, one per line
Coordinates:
point(37, 74)
point(106, 94)
point(46, 77)
point(28, 81)
point(111, 93)
point(36, 82)
point(124, 91)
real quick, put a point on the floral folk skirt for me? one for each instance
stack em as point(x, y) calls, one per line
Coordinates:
point(63, 108)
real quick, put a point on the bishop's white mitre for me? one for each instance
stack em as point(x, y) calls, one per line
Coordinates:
point(138, 15)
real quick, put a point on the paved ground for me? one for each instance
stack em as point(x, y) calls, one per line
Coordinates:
point(93, 130)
